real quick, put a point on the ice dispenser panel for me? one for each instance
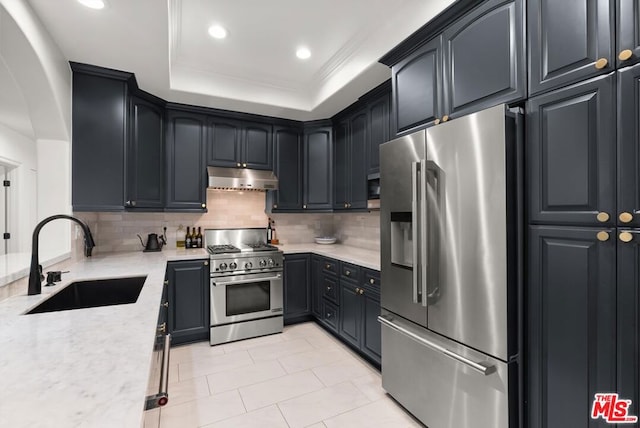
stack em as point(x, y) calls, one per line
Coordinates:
point(402, 239)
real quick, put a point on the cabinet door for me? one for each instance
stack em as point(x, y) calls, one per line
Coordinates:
point(189, 300)
point(371, 334)
point(571, 154)
point(416, 83)
point(317, 169)
point(257, 146)
point(566, 40)
point(357, 176)
point(629, 320)
point(288, 152)
point(341, 166)
point(628, 32)
point(224, 142)
point(297, 293)
point(378, 132)
point(145, 161)
point(571, 307)
point(485, 58)
point(628, 147)
point(316, 286)
point(99, 112)
point(186, 161)
point(350, 313)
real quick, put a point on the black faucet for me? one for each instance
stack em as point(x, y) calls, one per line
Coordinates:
point(35, 273)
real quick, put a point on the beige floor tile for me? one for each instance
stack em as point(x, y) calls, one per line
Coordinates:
point(193, 352)
point(384, 413)
point(251, 343)
point(269, 417)
point(310, 359)
point(188, 390)
point(322, 339)
point(202, 411)
point(341, 371)
point(371, 386)
point(277, 350)
point(280, 389)
point(300, 331)
point(326, 403)
point(244, 376)
point(213, 364)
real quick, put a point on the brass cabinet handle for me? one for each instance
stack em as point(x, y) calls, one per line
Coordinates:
point(602, 217)
point(601, 63)
point(437, 121)
point(238, 164)
point(346, 272)
point(626, 217)
point(625, 54)
point(165, 304)
point(162, 328)
point(445, 118)
point(372, 281)
point(625, 237)
point(357, 290)
point(204, 205)
point(166, 282)
point(349, 205)
point(603, 236)
point(244, 165)
point(304, 206)
point(361, 292)
point(346, 205)
point(328, 288)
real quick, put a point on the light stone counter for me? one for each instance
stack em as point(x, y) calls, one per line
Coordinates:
point(83, 367)
point(358, 256)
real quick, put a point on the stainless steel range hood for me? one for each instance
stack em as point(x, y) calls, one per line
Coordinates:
point(241, 179)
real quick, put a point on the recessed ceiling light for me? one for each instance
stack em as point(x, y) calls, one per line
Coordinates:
point(217, 32)
point(303, 53)
point(93, 4)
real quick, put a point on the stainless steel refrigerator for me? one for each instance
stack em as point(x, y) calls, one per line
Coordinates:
point(450, 216)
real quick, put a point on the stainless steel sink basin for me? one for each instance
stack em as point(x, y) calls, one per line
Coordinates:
point(90, 294)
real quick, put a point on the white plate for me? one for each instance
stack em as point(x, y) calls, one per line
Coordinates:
point(325, 241)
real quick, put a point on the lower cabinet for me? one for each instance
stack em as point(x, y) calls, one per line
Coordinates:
point(297, 288)
point(188, 296)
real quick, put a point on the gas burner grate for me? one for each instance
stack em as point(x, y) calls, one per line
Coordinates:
point(221, 249)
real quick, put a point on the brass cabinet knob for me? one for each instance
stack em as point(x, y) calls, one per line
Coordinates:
point(602, 217)
point(347, 272)
point(625, 237)
point(238, 164)
point(165, 304)
point(327, 266)
point(204, 205)
point(304, 206)
point(372, 281)
point(275, 205)
point(445, 118)
point(328, 314)
point(625, 54)
point(601, 63)
point(166, 282)
point(361, 291)
point(206, 263)
point(357, 290)
point(603, 236)
point(626, 217)
point(437, 121)
point(328, 288)
point(244, 165)
point(346, 205)
point(349, 205)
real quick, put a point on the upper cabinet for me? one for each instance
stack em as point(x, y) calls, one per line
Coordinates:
point(484, 55)
point(317, 167)
point(572, 40)
point(378, 132)
point(628, 32)
point(288, 169)
point(350, 177)
point(477, 62)
point(186, 163)
point(239, 144)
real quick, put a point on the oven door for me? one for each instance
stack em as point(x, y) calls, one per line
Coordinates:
point(245, 297)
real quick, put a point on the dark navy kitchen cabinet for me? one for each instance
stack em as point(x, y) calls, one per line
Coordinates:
point(628, 209)
point(145, 161)
point(416, 82)
point(350, 312)
point(239, 144)
point(371, 344)
point(189, 299)
point(297, 288)
point(350, 162)
point(571, 164)
point(288, 169)
point(99, 112)
point(317, 167)
point(571, 329)
point(484, 58)
point(378, 131)
point(569, 41)
point(316, 286)
point(185, 160)
point(341, 165)
point(627, 32)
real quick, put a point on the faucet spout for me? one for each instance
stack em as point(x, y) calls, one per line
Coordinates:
point(35, 272)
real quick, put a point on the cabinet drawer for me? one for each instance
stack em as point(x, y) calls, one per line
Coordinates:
point(350, 271)
point(330, 288)
point(330, 266)
point(372, 279)
point(330, 315)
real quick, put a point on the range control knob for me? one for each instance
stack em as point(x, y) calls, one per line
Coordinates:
point(263, 263)
point(233, 265)
point(222, 266)
point(248, 265)
point(270, 262)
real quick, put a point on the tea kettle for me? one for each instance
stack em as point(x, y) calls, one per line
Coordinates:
point(154, 242)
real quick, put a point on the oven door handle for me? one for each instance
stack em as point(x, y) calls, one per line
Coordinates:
point(244, 281)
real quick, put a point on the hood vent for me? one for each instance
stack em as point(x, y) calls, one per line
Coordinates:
point(241, 179)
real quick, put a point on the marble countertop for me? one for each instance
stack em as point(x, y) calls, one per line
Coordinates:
point(358, 256)
point(84, 367)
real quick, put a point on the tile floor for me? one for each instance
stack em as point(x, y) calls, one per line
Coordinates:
point(303, 377)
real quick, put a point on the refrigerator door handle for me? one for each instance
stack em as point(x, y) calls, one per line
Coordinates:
point(481, 367)
point(414, 230)
point(424, 231)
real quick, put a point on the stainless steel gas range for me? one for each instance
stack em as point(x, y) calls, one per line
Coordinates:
point(246, 284)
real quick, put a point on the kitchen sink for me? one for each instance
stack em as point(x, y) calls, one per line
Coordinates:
point(90, 294)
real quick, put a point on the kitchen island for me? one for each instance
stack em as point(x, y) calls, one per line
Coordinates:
point(83, 367)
